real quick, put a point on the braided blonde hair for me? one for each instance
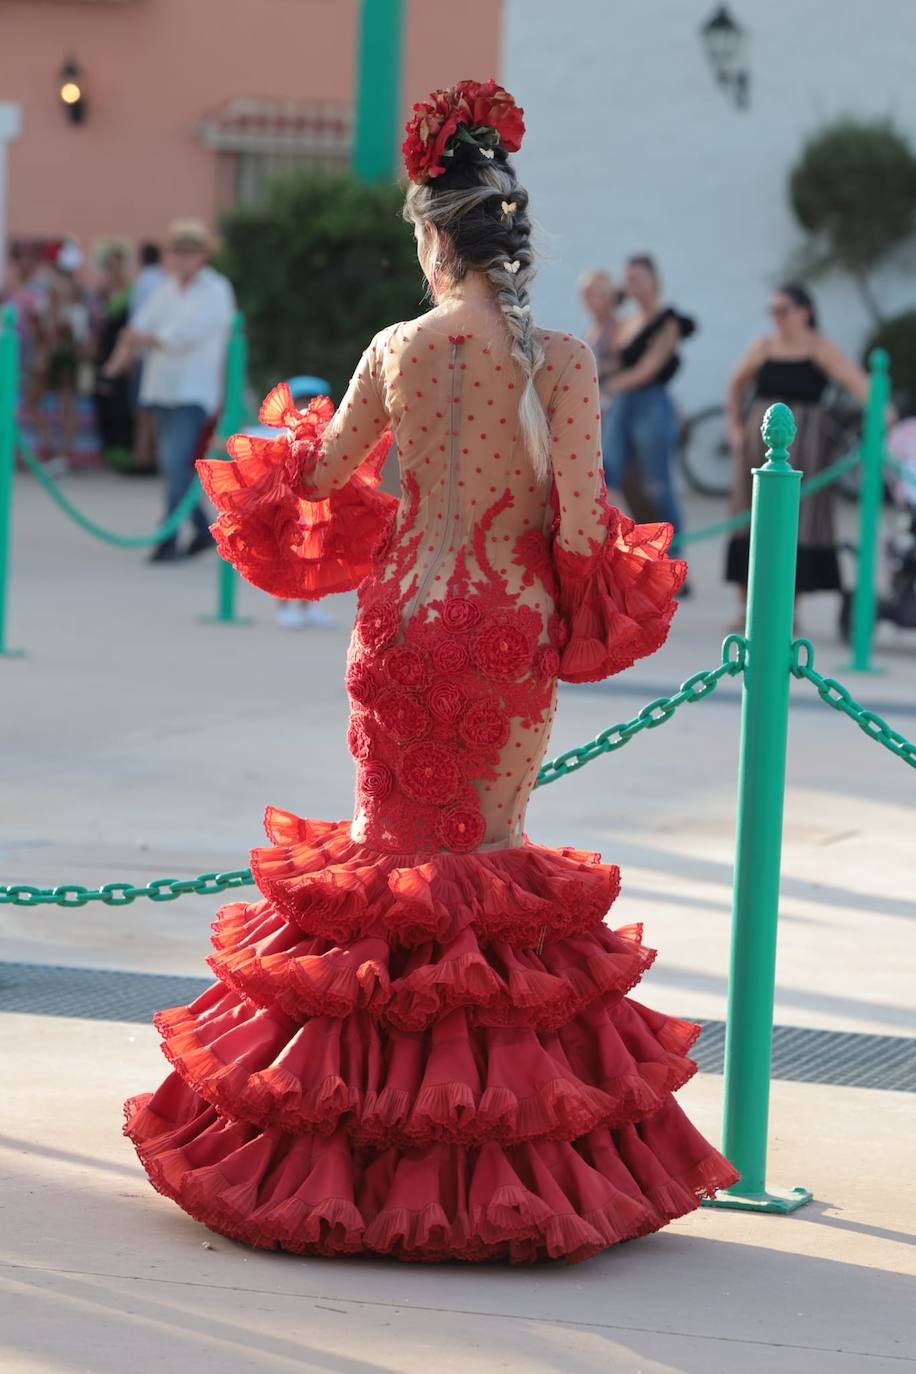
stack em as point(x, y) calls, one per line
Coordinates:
point(482, 211)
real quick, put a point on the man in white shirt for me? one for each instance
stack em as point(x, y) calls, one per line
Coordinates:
point(181, 330)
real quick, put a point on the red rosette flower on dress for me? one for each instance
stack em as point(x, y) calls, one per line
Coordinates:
point(406, 667)
point(547, 663)
point(375, 780)
point(401, 715)
point(359, 741)
point(459, 613)
point(450, 656)
point(446, 700)
point(428, 773)
point(361, 683)
point(485, 110)
point(460, 829)
point(502, 649)
point(484, 725)
point(378, 625)
point(533, 553)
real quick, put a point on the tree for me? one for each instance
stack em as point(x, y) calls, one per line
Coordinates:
point(898, 336)
point(853, 191)
point(324, 264)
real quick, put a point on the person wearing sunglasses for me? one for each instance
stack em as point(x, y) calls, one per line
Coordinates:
point(794, 363)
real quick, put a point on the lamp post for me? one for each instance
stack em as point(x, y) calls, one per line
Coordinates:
point(725, 42)
point(71, 92)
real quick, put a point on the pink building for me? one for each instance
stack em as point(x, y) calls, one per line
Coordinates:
point(191, 104)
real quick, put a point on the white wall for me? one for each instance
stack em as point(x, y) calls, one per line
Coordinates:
point(631, 147)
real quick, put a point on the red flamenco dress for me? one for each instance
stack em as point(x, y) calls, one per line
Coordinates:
point(420, 1042)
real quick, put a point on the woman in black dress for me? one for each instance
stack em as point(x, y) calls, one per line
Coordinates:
point(795, 363)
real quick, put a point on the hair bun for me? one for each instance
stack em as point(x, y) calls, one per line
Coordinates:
point(474, 119)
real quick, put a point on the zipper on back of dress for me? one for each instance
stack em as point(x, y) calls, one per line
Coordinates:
point(446, 534)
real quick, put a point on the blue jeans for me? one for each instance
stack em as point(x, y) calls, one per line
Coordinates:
point(641, 427)
point(178, 435)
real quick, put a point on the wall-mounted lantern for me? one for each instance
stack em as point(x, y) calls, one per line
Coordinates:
point(71, 91)
point(725, 42)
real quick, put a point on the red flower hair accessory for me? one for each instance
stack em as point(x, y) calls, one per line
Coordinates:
point(478, 112)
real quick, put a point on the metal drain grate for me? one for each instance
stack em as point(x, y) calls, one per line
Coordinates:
point(92, 994)
point(800, 1055)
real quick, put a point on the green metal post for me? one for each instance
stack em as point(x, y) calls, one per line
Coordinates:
point(233, 413)
point(761, 784)
point(870, 494)
point(232, 418)
point(9, 393)
point(378, 90)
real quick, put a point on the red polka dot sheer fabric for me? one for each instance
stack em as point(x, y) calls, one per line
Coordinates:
point(420, 1042)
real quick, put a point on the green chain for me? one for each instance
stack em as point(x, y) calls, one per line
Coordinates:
point(165, 531)
point(122, 894)
point(734, 653)
point(808, 488)
point(655, 713)
point(841, 699)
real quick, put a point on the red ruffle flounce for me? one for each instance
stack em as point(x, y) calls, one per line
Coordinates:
point(619, 600)
point(432, 1058)
point(283, 543)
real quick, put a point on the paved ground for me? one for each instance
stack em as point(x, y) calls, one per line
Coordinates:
point(143, 743)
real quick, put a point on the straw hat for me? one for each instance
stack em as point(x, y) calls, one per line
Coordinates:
point(190, 233)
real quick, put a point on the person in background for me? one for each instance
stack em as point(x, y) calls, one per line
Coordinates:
point(600, 300)
point(304, 615)
point(181, 331)
point(150, 275)
point(27, 298)
point(110, 303)
point(67, 330)
point(642, 424)
point(794, 363)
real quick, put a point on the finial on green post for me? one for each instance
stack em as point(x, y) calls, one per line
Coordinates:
point(879, 360)
point(778, 430)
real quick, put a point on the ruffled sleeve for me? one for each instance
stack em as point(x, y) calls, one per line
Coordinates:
point(282, 529)
point(616, 602)
point(616, 586)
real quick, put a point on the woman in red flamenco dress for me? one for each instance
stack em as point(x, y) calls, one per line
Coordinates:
point(420, 1042)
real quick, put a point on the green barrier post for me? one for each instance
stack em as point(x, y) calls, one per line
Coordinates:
point(761, 782)
point(870, 495)
point(9, 393)
point(378, 90)
point(232, 418)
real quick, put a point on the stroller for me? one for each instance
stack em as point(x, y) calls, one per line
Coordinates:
point(898, 604)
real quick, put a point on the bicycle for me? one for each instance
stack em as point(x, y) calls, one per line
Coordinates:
point(705, 458)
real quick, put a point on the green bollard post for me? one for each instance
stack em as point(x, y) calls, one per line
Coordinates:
point(232, 418)
point(9, 393)
point(870, 494)
point(761, 785)
point(378, 89)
